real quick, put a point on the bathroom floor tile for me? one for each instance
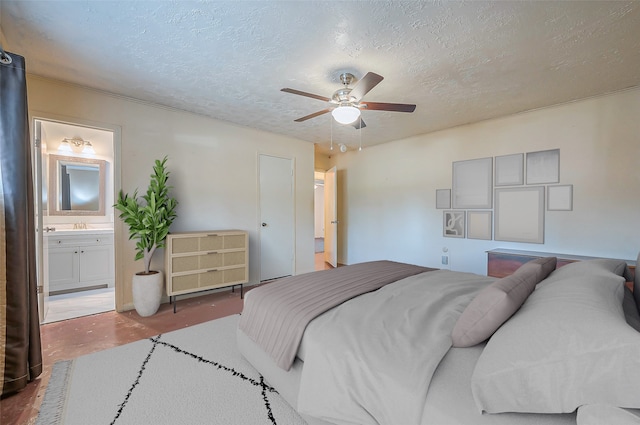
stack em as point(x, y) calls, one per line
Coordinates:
point(78, 304)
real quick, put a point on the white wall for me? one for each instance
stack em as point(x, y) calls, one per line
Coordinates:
point(213, 167)
point(387, 192)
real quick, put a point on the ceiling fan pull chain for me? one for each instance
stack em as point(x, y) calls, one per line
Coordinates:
point(360, 147)
point(331, 124)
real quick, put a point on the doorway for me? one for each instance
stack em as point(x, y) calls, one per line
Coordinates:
point(318, 218)
point(325, 220)
point(74, 186)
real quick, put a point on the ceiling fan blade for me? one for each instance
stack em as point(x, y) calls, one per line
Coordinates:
point(381, 106)
point(358, 124)
point(315, 114)
point(365, 85)
point(302, 93)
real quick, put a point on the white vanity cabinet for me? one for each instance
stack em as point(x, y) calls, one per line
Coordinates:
point(80, 261)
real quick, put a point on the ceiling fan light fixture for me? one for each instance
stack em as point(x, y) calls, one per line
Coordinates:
point(346, 114)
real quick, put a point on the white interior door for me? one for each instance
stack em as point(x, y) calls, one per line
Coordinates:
point(331, 217)
point(276, 217)
point(41, 250)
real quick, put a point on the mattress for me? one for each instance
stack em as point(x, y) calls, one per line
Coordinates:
point(449, 400)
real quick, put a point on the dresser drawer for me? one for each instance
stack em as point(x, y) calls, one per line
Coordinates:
point(208, 242)
point(84, 240)
point(207, 261)
point(208, 280)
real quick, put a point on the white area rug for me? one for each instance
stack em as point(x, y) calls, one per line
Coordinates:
point(191, 376)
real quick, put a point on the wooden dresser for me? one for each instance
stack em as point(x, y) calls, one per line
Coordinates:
point(200, 261)
point(503, 262)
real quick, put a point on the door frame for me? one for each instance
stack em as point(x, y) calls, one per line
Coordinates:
point(41, 262)
point(259, 205)
point(331, 216)
point(118, 226)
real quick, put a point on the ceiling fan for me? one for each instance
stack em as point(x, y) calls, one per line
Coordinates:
point(345, 103)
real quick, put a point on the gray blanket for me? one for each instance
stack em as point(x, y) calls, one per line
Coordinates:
point(275, 315)
point(370, 360)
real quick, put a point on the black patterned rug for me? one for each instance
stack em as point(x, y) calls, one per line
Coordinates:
point(191, 376)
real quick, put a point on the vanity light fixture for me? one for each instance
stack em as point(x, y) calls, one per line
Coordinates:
point(65, 146)
point(88, 148)
point(76, 144)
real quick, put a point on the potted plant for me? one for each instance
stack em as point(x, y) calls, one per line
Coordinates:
point(149, 219)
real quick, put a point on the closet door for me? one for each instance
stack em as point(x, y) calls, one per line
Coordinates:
point(277, 220)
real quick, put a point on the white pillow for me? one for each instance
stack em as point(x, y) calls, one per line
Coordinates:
point(599, 414)
point(568, 345)
point(589, 267)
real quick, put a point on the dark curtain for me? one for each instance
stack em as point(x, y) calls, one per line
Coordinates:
point(21, 354)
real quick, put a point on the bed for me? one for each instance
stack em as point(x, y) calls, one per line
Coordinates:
point(392, 343)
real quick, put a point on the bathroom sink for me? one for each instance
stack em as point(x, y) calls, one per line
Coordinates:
point(71, 232)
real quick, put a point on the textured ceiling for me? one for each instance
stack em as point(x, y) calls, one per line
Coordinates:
point(459, 62)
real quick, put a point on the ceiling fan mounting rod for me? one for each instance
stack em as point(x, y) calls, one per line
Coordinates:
point(342, 95)
point(346, 78)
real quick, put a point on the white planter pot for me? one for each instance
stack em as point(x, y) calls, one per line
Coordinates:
point(147, 292)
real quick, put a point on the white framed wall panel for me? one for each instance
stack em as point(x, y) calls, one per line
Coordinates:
point(519, 214)
point(472, 183)
point(560, 198)
point(509, 170)
point(543, 167)
point(479, 225)
point(443, 198)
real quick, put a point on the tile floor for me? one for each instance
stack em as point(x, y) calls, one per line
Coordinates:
point(68, 339)
point(78, 304)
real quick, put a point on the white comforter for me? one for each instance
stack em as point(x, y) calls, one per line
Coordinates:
point(371, 359)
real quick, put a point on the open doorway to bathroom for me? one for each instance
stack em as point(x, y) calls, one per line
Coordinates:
point(319, 213)
point(73, 169)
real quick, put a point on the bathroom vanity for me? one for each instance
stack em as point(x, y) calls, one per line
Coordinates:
point(80, 259)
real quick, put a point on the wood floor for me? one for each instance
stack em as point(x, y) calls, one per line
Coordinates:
point(69, 339)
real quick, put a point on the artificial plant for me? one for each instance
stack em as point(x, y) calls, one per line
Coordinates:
point(150, 217)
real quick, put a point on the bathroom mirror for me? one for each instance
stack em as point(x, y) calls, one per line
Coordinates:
point(76, 185)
